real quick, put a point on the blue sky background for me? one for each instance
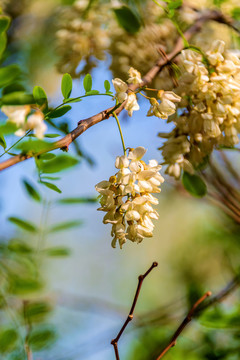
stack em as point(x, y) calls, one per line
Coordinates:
point(94, 271)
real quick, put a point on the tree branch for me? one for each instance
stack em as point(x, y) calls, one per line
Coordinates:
point(141, 278)
point(85, 124)
point(183, 324)
point(198, 308)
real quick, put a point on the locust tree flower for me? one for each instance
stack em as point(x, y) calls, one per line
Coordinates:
point(19, 116)
point(36, 123)
point(127, 200)
point(16, 114)
point(132, 104)
point(134, 76)
point(209, 113)
point(167, 105)
point(121, 89)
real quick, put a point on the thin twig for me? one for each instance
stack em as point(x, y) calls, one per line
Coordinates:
point(183, 324)
point(85, 124)
point(114, 342)
point(28, 330)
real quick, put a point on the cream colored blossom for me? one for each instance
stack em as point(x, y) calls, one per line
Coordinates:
point(132, 104)
point(209, 113)
point(167, 105)
point(127, 200)
point(134, 76)
point(18, 115)
point(36, 122)
point(121, 90)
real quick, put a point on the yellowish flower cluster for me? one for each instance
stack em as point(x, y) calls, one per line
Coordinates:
point(210, 109)
point(126, 197)
point(145, 46)
point(121, 89)
point(81, 35)
point(18, 115)
point(165, 108)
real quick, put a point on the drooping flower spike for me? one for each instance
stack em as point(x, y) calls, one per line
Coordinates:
point(126, 197)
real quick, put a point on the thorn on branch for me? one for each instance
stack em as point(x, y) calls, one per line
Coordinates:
point(141, 278)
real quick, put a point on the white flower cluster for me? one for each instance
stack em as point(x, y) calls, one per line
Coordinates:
point(126, 197)
point(18, 115)
point(210, 109)
point(165, 108)
point(121, 89)
point(81, 35)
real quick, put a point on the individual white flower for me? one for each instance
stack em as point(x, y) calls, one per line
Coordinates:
point(36, 122)
point(121, 90)
point(167, 105)
point(132, 104)
point(134, 76)
point(215, 54)
point(16, 114)
point(126, 197)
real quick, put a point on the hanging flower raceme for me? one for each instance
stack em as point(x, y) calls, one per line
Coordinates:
point(126, 197)
point(210, 109)
point(19, 115)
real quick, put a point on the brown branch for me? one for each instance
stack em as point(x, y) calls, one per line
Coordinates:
point(85, 124)
point(183, 324)
point(114, 342)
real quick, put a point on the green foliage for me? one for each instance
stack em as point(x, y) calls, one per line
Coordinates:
point(107, 86)
point(66, 86)
point(34, 146)
point(218, 3)
point(8, 74)
point(194, 184)
point(23, 285)
point(32, 192)
point(23, 224)
point(127, 19)
point(17, 98)
point(13, 88)
point(87, 83)
point(92, 92)
point(18, 246)
point(77, 200)
point(59, 112)
point(47, 156)
point(73, 100)
point(4, 23)
point(51, 136)
point(3, 142)
point(8, 340)
point(65, 226)
point(37, 311)
point(8, 128)
point(59, 163)
point(57, 251)
point(236, 13)
point(42, 337)
point(40, 96)
point(51, 186)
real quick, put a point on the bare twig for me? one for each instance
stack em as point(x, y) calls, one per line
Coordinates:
point(28, 330)
point(183, 324)
point(114, 342)
point(85, 124)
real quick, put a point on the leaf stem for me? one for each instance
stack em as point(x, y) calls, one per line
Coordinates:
point(7, 150)
point(120, 131)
